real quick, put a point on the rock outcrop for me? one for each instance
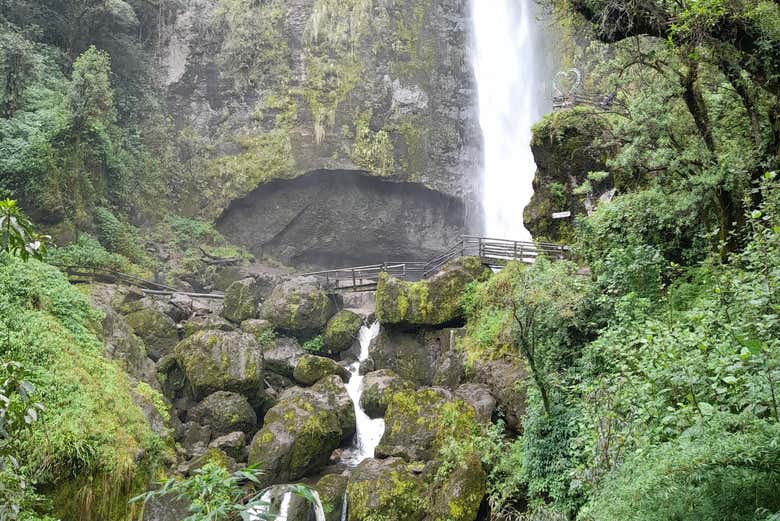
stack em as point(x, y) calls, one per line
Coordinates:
point(431, 302)
point(332, 219)
point(566, 151)
point(277, 89)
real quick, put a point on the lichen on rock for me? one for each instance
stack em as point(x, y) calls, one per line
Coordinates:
point(222, 361)
point(341, 331)
point(431, 302)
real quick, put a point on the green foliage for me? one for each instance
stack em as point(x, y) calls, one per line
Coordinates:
point(215, 494)
point(314, 344)
point(89, 253)
point(18, 413)
point(118, 237)
point(92, 431)
point(723, 468)
point(16, 233)
point(90, 98)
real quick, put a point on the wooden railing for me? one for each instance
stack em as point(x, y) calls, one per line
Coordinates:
point(492, 252)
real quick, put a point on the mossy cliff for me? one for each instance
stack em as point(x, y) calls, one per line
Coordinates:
point(276, 89)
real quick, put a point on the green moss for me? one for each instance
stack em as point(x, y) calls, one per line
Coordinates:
point(433, 301)
point(266, 156)
point(373, 151)
point(156, 399)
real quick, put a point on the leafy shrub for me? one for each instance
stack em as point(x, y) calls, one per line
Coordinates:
point(118, 237)
point(314, 344)
point(724, 468)
point(89, 253)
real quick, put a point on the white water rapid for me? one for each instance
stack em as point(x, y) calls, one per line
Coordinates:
point(508, 64)
point(368, 432)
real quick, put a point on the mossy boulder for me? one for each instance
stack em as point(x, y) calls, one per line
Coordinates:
point(204, 322)
point(156, 329)
point(460, 494)
point(386, 489)
point(311, 368)
point(341, 331)
point(256, 327)
point(225, 412)
point(301, 431)
point(233, 444)
point(299, 307)
point(239, 303)
point(331, 489)
point(418, 423)
point(212, 455)
point(378, 389)
point(480, 398)
point(222, 361)
point(431, 302)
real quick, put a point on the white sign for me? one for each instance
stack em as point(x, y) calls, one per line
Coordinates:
point(561, 215)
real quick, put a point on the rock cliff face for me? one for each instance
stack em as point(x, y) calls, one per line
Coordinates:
point(334, 219)
point(277, 89)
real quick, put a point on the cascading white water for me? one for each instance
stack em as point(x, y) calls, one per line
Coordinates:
point(368, 432)
point(506, 60)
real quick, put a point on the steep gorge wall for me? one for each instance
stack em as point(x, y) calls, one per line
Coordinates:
point(276, 89)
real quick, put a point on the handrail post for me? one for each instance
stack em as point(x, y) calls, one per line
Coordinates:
point(354, 280)
point(514, 246)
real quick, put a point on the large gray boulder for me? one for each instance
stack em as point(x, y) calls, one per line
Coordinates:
point(479, 397)
point(225, 412)
point(507, 380)
point(299, 307)
point(282, 357)
point(239, 303)
point(222, 361)
point(378, 389)
point(156, 329)
point(425, 358)
point(301, 431)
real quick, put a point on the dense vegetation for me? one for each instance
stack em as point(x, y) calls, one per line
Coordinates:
point(654, 373)
point(653, 390)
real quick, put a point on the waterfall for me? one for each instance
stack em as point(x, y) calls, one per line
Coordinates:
point(508, 64)
point(368, 432)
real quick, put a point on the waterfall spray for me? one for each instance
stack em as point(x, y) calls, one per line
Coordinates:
point(508, 64)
